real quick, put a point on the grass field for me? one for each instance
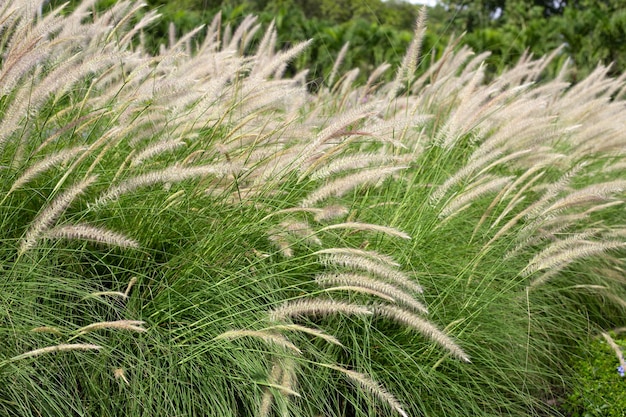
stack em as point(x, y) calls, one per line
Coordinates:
point(195, 233)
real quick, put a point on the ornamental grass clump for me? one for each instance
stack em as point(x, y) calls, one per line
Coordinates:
point(193, 232)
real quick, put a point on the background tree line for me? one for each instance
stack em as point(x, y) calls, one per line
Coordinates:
point(590, 31)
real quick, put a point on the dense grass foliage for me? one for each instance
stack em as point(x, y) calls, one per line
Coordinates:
point(195, 233)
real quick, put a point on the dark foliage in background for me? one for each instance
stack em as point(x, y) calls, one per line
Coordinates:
point(588, 31)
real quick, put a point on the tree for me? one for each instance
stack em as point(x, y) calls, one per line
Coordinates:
point(595, 32)
point(591, 31)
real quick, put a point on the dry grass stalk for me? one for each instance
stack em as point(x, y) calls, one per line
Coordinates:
point(119, 373)
point(485, 186)
point(266, 403)
point(363, 290)
point(116, 294)
point(131, 283)
point(485, 158)
point(281, 379)
point(551, 191)
point(316, 307)
point(330, 212)
point(92, 234)
point(267, 44)
point(424, 327)
point(284, 389)
point(552, 229)
point(518, 197)
point(28, 46)
point(346, 85)
point(543, 278)
point(47, 329)
point(335, 127)
point(562, 244)
point(356, 282)
point(279, 60)
point(267, 399)
point(369, 86)
point(366, 383)
point(156, 149)
point(506, 159)
point(506, 190)
point(604, 206)
point(172, 174)
point(265, 335)
point(58, 81)
point(338, 61)
point(591, 194)
point(534, 210)
point(466, 115)
point(278, 239)
point(357, 161)
point(289, 380)
point(313, 210)
point(408, 67)
point(308, 330)
point(616, 348)
point(52, 212)
point(49, 162)
point(399, 130)
point(372, 267)
point(557, 260)
point(342, 185)
point(375, 256)
point(301, 230)
point(458, 176)
point(56, 348)
point(320, 214)
point(132, 325)
point(367, 227)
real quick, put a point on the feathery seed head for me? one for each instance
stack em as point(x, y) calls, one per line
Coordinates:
point(132, 325)
point(316, 307)
point(48, 215)
point(423, 326)
point(56, 348)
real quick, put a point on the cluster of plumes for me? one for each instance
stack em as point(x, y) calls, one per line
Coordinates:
point(532, 141)
point(210, 111)
point(216, 111)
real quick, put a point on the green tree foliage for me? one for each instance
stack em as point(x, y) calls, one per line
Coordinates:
point(589, 31)
point(378, 32)
point(595, 31)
